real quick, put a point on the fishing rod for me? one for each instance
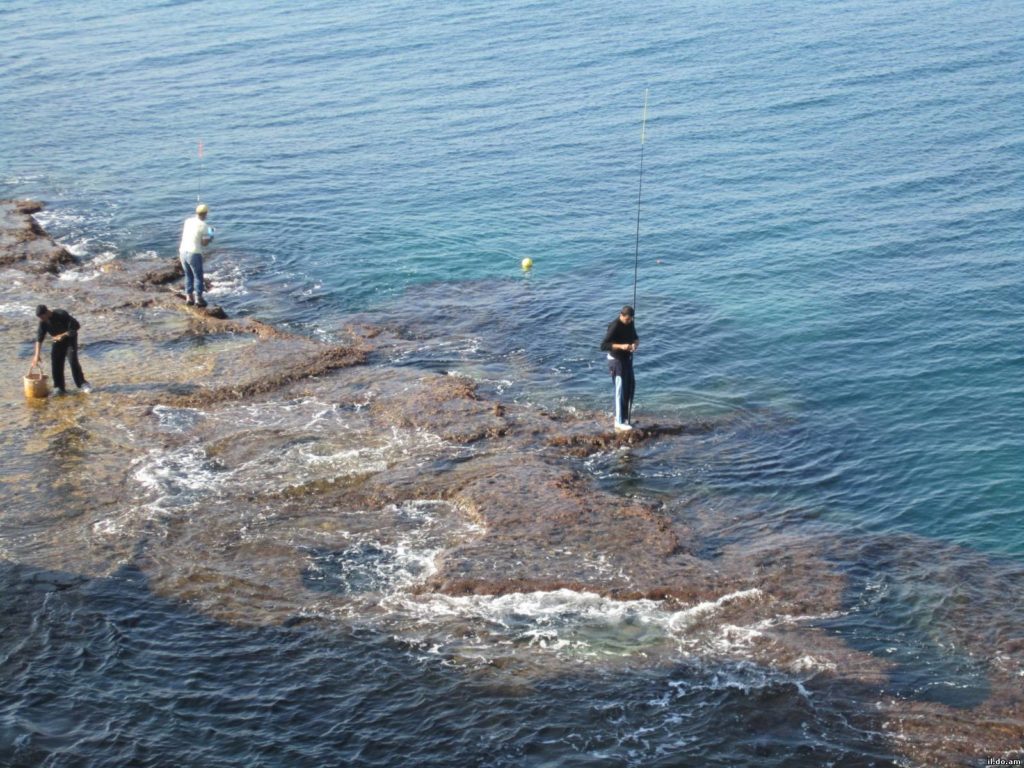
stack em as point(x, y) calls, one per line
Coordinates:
point(199, 188)
point(636, 260)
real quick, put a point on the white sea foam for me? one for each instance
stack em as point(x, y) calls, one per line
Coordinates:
point(60, 218)
point(324, 445)
point(318, 458)
point(580, 624)
point(469, 345)
point(373, 566)
point(178, 420)
point(332, 443)
point(79, 248)
point(78, 275)
point(114, 527)
point(344, 453)
point(306, 416)
point(88, 235)
point(324, 335)
point(178, 478)
point(458, 348)
point(686, 618)
point(227, 280)
point(17, 310)
point(91, 269)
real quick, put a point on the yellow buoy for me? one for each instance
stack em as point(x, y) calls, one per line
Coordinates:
point(527, 263)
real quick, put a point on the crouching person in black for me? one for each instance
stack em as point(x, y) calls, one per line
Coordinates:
point(64, 330)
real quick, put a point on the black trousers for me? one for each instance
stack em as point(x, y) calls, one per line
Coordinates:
point(66, 348)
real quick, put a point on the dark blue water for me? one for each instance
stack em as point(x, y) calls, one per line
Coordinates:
point(301, 697)
point(830, 240)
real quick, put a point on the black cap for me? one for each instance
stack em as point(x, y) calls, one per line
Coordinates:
point(627, 310)
point(41, 310)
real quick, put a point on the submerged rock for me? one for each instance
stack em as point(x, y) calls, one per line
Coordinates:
point(268, 478)
point(24, 244)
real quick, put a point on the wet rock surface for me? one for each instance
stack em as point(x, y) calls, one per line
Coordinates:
point(268, 478)
point(24, 244)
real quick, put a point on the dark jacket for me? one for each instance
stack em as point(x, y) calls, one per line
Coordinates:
point(619, 333)
point(59, 322)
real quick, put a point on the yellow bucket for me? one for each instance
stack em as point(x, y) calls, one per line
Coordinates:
point(37, 383)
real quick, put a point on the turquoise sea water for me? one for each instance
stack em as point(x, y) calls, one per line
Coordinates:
point(831, 226)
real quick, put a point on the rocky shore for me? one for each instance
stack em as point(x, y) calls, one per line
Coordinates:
point(178, 391)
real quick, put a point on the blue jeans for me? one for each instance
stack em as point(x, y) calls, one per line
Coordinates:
point(192, 263)
point(621, 370)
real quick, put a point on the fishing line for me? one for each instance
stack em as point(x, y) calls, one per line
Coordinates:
point(199, 188)
point(636, 260)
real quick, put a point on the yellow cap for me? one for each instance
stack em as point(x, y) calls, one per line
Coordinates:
point(202, 208)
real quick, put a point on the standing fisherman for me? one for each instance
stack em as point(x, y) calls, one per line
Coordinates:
point(196, 234)
point(620, 341)
point(64, 330)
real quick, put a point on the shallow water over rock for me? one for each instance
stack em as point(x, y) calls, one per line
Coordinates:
point(267, 480)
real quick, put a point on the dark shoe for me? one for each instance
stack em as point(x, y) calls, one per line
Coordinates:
point(190, 300)
point(200, 302)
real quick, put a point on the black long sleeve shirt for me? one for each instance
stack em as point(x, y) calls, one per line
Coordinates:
point(619, 333)
point(59, 322)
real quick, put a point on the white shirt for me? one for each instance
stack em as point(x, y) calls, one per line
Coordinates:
point(192, 235)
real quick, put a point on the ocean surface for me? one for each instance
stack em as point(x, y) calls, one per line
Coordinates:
point(830, 235)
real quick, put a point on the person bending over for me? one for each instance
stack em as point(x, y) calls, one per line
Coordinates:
point(64, 330)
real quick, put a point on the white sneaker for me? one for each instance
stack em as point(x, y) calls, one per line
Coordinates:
point(86, 387)
point(623, 427)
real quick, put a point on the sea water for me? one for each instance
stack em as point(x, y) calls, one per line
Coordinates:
point(829, 250)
